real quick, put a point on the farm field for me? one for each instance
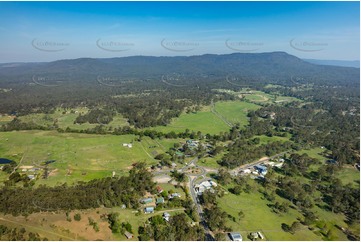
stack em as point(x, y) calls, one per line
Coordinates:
point(55, 226)
point(264, 139)
point(260, 97)
point(66, 118)
point(259, 217)
point(235, 111)
point(207, 121)
point(204, 121)
point(78, 156)
point(349, 175)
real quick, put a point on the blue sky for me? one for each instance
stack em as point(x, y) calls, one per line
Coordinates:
point(46, 31)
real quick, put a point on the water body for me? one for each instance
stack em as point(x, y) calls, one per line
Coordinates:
point(5, 161)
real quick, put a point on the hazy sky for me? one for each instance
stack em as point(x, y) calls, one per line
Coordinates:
point(46, 31)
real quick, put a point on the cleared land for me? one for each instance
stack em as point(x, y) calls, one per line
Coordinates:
point(55, 226)
point(79, 156)
point(259, 217)
point(204, 121)
point(235, 111)
point(66, 117)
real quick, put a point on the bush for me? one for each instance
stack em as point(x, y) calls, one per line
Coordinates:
point(77, 217)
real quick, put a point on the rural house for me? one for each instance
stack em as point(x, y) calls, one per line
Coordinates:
point(159, 189)
point(261, 169)
point(149, 210)
point(146, 200)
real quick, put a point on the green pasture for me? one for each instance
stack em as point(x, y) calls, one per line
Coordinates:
point(66, 118)
point(259, 217)
point(204, 121)
point(78, 156)
point(235, 111)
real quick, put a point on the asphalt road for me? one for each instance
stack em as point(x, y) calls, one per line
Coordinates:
point(193, 177)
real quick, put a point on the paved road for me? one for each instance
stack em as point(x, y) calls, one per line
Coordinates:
point(195, 199)
point(192, 178)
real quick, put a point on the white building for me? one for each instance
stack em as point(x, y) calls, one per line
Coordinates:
point(206, 185)
point(127, 145)
point(235, 236)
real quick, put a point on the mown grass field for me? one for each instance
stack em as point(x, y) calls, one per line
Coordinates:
point(235, 111)
point(204, 121)
point(259, 217)
point(78, 156)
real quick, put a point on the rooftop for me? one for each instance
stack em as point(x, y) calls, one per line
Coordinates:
point(235, 236)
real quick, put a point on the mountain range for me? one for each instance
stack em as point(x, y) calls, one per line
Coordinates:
point(272, 66)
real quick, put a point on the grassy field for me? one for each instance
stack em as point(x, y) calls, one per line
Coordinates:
point(211, 161)
point(54, 226)
point(259, 217)
point(66, 118)
point(349, 175)
point(314, 153)
point(235, 111)
point(5, 119)
point(260, 97)
point(204, 121)
point(78, 156)
point(264, 139)
point(208, 122)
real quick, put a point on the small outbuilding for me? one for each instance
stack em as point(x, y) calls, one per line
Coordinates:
point(149, 210)
point(159, 189)
point(235, 236)
point(173, 195)
point(166, 216)
point(159, 200)
point(146, 200)
point(261, 169)
point(128, 235)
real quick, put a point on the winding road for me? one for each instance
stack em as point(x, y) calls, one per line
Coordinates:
point(192, 178)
